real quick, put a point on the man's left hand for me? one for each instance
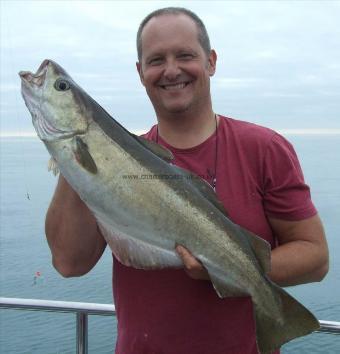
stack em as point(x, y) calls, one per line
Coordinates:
point(192, 266)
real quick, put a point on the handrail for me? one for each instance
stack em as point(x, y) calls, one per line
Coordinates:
point(58, 306)
point(83, 309)
point(332, 327)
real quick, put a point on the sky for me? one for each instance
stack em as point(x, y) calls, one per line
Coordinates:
point(278, 61)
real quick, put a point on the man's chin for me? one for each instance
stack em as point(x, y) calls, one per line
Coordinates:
point(177, 109)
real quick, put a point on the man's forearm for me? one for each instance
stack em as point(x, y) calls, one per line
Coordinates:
point(72, 233)
point(298, 262)
point(302, 254)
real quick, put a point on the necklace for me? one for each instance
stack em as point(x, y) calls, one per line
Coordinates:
point(212, 175)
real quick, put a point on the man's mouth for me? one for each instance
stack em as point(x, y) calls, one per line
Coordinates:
point(175, 86)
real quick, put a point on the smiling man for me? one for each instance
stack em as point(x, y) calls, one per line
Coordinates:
point(174, 68)
point(255, 173)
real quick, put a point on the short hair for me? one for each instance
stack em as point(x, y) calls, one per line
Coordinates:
point(203, 37)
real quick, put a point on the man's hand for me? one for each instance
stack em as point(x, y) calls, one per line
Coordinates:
point(192, 266)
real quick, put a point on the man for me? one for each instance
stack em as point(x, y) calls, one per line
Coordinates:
point(256, 175)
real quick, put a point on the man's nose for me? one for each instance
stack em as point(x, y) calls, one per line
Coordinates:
point(171, 71)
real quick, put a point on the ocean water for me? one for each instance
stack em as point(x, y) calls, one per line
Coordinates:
point(25, 261)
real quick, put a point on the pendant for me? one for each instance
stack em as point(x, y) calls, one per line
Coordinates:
point(214, 184)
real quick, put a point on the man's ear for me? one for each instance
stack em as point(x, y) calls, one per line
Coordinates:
point(212, 62)
point(140, 72)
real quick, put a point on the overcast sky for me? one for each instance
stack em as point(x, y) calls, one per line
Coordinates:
point(278, 61)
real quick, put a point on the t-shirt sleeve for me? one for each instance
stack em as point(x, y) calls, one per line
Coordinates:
point(286, 195)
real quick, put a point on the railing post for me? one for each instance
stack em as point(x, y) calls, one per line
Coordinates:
point(82, 327)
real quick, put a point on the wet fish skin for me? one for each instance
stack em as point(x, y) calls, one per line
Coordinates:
point(143, 219)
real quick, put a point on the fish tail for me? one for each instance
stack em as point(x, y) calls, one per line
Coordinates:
point(294, 321)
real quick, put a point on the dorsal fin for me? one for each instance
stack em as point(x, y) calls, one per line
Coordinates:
point(157, 149)
point(201, 185)
point(204, 188)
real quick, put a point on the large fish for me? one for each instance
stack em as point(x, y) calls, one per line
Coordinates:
point(144, 218)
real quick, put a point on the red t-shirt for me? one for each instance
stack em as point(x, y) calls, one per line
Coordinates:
point(166, 312)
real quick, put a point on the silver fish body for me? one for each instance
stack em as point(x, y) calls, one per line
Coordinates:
point(145, 206)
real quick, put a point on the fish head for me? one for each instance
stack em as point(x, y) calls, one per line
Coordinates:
point(56, 103)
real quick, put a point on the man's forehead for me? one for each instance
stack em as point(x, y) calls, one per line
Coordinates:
point(165, 21)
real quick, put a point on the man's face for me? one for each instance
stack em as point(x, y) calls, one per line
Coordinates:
point(174, 68)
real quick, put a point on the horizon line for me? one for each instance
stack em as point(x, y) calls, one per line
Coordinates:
point(283, 131)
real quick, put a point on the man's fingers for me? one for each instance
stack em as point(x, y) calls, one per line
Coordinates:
point(193, 267)
point(188, 259)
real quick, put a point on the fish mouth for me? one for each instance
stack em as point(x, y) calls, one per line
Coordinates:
point(36, 79)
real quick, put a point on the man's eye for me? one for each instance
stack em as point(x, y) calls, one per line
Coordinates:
point(186, 56)
point(155, 61)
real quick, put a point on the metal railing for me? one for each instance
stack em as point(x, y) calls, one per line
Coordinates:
point(83, 309)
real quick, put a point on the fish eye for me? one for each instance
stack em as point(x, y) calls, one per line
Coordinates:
point(62, 85)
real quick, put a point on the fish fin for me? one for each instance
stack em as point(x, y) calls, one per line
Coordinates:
point(136, 253)
point(157, 149)
point(223, 290)
point(53, 166)
point(204, 188)
point(295, 321)
point(208, 192)
point(262, 250)
point(201, 185)
point(83, 156)
point(225, 286)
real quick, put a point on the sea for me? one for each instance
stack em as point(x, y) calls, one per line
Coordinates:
point(25, 260)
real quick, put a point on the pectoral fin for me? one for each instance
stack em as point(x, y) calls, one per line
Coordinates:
point(53, 166)
point(83, 156)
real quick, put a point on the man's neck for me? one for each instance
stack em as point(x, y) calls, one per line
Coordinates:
point(185, 130)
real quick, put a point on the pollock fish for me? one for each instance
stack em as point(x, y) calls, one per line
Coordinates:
point(143, 219)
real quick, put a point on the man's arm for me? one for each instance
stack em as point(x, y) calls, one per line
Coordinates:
point(72, 233)
point(301, 256)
